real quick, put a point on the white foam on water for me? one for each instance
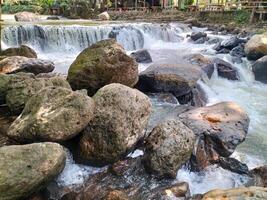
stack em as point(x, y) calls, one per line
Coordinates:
point(211, 178)
point(75, 175)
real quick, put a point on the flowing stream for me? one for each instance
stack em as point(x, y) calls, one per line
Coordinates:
point(167, 43)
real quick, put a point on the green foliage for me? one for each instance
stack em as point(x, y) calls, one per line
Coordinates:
point(188, 2)
point(8, 8)
point(242, 16)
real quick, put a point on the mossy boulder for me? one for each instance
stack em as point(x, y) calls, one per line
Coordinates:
point(23, 50)
point(121, 115)
point(53, 114)
point(101, 64)
point(22, 86)
point(26, 169)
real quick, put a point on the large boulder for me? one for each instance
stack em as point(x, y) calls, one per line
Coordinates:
point(53, 114)
point(256, 47)
point(26, 17)
point(168, 146)
point(259, 69)
point(242, 193)
point(26, 169)
point(101, 64)
point(178, 79)
point(22, 86)
point(15, 64)
point(219, 129)
point(127, 180)
point(104, 16)
point(142, 56)
point(23, 50)
point(121, 116)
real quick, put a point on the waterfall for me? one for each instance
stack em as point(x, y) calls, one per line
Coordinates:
point(49, 38)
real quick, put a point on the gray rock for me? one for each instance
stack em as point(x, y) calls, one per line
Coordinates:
point(259, 69)
point(142, 56)
point(168, 146)
point(179, 79)
point(23, 50)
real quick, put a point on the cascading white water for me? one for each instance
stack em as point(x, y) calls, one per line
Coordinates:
point(167, 43)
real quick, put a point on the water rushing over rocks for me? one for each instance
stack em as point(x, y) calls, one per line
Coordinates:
point(166, 43)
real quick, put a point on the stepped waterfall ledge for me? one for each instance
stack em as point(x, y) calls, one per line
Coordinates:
point(127, 111)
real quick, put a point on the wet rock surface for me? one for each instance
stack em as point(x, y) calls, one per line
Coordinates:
point(225, 69)
point(197, 35)
point(15, 64)
point(259, 69)
point(219, 129)
point(168, 146)
point(26, 169)
point(102, 63)
point(142, 56)
point(179, 79)
point(259, 175)
point(129, 180)
point(53, 114)
point(121, 116)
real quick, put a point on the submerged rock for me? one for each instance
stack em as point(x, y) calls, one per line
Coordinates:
point(243, 193)
point(26, 17)
point(53, 114)
point(219, 129)
point(142, 56)
point(259, 69)
point(168, 146)
point(23, 50)
point(121, 116)
point(129, 180)
point(15, 64)
point(101, 64)
point(22, 86)
point(26, 169)
point(256, 47)
point(179, 79)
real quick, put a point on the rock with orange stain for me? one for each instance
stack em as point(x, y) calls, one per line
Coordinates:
point(219, 129)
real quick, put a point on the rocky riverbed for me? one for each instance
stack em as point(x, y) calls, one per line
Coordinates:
point(132, 111)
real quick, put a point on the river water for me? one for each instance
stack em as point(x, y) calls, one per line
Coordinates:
point(167, 43)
